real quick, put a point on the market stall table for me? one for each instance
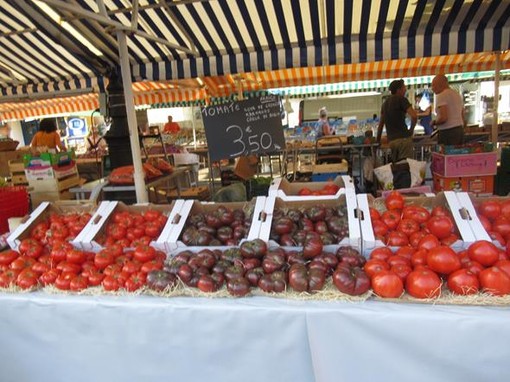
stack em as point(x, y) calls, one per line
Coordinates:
point(77, 338)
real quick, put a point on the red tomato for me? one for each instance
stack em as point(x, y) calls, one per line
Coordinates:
point(396, 259)
point(153, 265)
point(387, 284)
point(76, 256)
point(380, 229)
point(450, 240)
point(49, 277)
point(408, 226)
point(419, 258)
point(40, 268)
point(396, 239)
point(7, 257)
point(439, 211)
point(116, 231)
point(151, 215)
point(484, 252)
point(504, 265)
point(406, 252)
point(391, 218)
point(103, 258)
point(440, 226)
point(381, 253)
point(305, 191)
point(22, 262)
point(423, 283)
point(78, 283)
point(374, 266)
point(131, 267)
point(31, 248)
point(95, 278)
point(502, 226)
point(110, 283)
point(135, 281)
point(443, 260)
point(505, 209)
point(63, 281)
point(497, 237)
point(417, 213)
point(144, 253)
point(415, 238)
point(8, 277)
point(491, 209)
point(374, 214)
point(27, 279)
point(402, 271)
point(473, 266)
point(428, 242)
point(463, 282)
point(495, 281)
point(394, 201)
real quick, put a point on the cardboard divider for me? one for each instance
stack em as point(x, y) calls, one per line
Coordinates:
point(191, 207)
point(98, 224)
point(41, 213)
point(289, 191)
point(444, 199)
point(348, 198)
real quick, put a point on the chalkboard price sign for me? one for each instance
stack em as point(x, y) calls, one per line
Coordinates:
point(245, 127)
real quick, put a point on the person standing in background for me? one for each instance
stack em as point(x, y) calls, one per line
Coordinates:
point(449, 112)
point(424, 112)
point(47, 137)
point(171, 127)
point(323, 127)
point(393, 115)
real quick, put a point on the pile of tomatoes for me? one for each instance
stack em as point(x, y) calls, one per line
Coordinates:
point(422, 270)
point(402, 225)
point(328, 189)
point(495, 217)
point(130, 229)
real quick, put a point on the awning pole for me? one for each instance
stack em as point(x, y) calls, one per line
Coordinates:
point(141, 191)
point(495, 115)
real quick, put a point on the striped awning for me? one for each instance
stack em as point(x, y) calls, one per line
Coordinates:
point(57, 46)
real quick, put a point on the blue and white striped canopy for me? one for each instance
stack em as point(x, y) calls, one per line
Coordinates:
point(40, 51)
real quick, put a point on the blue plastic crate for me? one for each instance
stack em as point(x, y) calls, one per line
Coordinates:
point(327, 176)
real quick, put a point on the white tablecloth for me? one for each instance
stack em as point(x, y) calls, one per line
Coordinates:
point(82, 338)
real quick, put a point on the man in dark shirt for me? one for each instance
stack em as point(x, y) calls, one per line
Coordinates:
point(393, 115)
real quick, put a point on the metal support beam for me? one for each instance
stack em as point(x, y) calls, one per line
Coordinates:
point(495, 115)
point(141, 191)
point(73, 8)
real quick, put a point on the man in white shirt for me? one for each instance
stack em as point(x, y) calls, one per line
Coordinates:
point(449, 113)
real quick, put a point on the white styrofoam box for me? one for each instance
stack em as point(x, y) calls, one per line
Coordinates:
point(41, 213)
point(162, 243)
point(289, 191)
point(445, 199)
point(97, 225)
point(191, 207)
point(348, 197)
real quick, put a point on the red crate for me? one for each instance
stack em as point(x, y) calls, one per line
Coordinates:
point(14, 202)
point(479, 185)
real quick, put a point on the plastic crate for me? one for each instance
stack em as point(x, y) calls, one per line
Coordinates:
point(14, 202)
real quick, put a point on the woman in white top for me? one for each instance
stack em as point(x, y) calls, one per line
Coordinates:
point(449, 113)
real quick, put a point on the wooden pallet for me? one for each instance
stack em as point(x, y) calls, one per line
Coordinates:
point(17, 172)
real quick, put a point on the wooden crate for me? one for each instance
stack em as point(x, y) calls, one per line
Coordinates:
point(17, 173)
point(200, 193)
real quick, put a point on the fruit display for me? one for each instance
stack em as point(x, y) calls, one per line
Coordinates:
point(400, 224)
point(439, 271)
point(494, 215)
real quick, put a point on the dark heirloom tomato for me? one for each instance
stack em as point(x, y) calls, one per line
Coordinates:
point(483, 252)
point(302, 279)
point(312, 246)
point(207, 284)
point(191, 236)
point(423, 283)
point(253, 275)
point(495, 281)
point(274, 282)
point(253, 248)
point(351, 256)
point(283, 225)
point(387, 284)
point(463, 282)
point(351, 280)
point(238, 286)
point(273, 262)
point(316, 213)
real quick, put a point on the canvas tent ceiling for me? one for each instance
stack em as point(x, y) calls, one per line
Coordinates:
point(247, 44)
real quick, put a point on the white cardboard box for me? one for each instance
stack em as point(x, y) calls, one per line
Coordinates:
point(191, 207)
point(98, 224)
point(348, 198)
point(40, 214)
point(288, 191)
point(445, 199)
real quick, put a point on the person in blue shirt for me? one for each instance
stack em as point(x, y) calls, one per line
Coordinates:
point(424, 112)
